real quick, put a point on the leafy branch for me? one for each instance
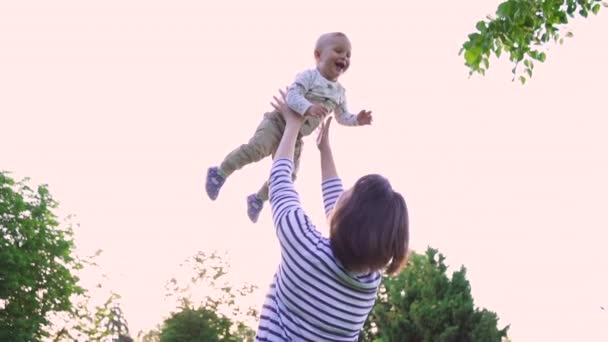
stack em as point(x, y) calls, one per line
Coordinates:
point(520, 29)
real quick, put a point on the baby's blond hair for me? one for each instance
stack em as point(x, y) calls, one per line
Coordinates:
point(325, 38)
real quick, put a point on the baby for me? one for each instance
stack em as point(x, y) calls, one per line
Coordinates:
point(314, 94)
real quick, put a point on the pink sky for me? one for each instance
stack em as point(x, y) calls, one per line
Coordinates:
point(120, 106)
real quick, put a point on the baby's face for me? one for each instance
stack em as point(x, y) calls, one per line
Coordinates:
point(333, 59)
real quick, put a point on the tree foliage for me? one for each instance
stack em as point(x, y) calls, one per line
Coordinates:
point(85, 322)
point(520, 29)
point(36, 261)
point(200, 324)
point(423, 304)
point(214, 316)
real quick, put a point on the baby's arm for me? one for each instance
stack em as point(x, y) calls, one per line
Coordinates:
point(344, 117)
point(295, 93)
point(347, 119)
point(296, 99)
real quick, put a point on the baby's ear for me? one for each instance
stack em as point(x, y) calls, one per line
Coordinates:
point(317, 55)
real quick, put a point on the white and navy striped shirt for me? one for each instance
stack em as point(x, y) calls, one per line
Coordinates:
point(312, 296)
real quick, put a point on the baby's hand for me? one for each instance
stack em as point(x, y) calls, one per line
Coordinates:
point(364, 117)
point(316, 110)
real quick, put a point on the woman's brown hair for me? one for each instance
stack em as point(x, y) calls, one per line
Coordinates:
point(369, 229)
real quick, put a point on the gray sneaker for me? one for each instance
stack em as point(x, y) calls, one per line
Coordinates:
point(214, 182)
point(254, 207)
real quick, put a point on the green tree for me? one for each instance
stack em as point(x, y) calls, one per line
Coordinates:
point(521, 28)
point(36, 261)
point(200, 324)
point(105, 322)
point(152, 335)
point(214, 317)
point(423, 304)
point(117, 325)
point(89, 320)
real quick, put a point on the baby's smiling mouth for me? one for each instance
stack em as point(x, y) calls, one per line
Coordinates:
point(341, 66)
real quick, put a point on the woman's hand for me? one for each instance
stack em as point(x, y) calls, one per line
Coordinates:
point(291, 118)
point(323, 137)
point(293, 123)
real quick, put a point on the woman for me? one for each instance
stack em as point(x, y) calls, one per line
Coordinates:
point(325, 288)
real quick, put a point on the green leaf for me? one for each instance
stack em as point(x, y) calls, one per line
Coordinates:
point(472, 56)
point(544, 38)
point(475, 37)
point(542, 56)
point(522, 79)
point(481, 26)
point(595, 8)
point(569, 34)
point(571, 7)
point(533, 54)
point(505, 9)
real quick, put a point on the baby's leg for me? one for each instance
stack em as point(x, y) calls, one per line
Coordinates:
point(263, 192)
point(263, 143)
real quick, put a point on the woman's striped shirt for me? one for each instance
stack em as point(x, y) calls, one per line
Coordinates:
point(312, 296)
